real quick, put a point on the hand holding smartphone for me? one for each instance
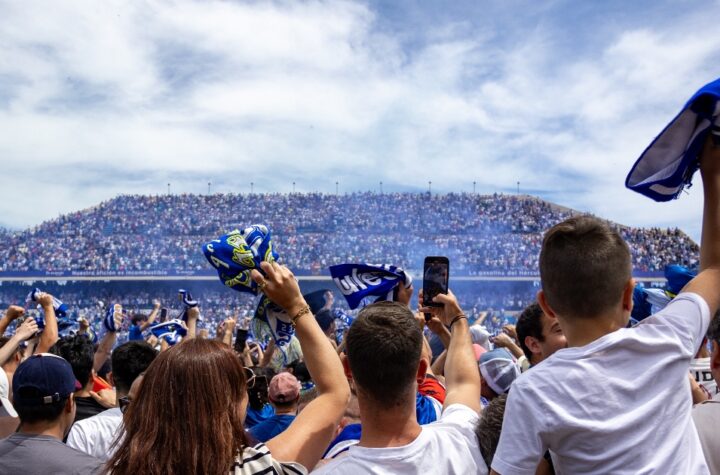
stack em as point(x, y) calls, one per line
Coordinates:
point(436, 274)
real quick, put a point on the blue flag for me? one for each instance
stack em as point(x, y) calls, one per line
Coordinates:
point(670, 161)
point(172, 329)
point(359, 281)
point(235, 254)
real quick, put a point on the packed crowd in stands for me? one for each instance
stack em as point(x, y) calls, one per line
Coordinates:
point(479, 233)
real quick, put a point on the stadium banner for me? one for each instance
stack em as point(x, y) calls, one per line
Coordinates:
point(207, 274)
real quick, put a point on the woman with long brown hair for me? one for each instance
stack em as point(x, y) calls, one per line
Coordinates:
point(188, 415)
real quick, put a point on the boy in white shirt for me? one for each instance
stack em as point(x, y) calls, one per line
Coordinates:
point(613, 389)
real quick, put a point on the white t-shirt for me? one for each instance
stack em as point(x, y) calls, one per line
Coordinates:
point(448, 446)
point(700, 369)
point(620, 404)
point(707, 420)
point(95, 435)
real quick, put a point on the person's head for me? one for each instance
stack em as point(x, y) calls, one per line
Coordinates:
point(78, 351)
point(43, 388)
point(498, 371)
point(585, 271)
point(538, 334)
point(11, 364)
point(326, 322)
point(489, 426)
point(713, 335)
point(284, 392)
point(137, 318)
point(258, 388)
point(191, 404)
point(128, 361)
point(384, 344)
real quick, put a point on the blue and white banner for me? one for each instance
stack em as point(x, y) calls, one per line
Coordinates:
point(360, 281)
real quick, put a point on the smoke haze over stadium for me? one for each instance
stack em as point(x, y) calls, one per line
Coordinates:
point(101, 99)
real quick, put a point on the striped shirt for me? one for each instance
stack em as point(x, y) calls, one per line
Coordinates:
point(257, 460)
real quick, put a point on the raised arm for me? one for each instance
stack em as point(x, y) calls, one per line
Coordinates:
point(151, 318)
point(462, 377)
point(24, 331)
point(229, 328)
point(108, 340)
point(312, 430)
point(193, 314)
point(49, 336)
point(707, 283)
point(13, 312)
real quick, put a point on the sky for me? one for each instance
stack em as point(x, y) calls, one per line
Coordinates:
point(114, 97)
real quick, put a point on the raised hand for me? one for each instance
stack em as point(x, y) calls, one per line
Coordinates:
point(14, 311)
point(447, 312)
point(27, 329)
point(280, 286)
point(44, 299)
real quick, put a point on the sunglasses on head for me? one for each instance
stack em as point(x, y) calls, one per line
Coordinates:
point(123, 403)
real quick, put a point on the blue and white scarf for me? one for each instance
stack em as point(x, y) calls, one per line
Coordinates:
point(60, 308)
point(170, 331)
point(270, 321)
point(360, 281)
point(235, 254)
point(670, 161)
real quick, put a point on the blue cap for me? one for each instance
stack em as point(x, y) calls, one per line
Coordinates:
point(677, 278)
point(43, 379)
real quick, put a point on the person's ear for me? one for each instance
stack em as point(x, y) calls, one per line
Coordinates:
point(421, 371)
point(346, 366)
point(627, 298)
point(542, 301)
point(715, 357)
point(70, 404)
point(110, 379)
point(533, 344)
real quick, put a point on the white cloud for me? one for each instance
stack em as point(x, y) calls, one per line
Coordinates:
point(187, 91)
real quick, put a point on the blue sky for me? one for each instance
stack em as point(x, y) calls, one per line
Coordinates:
point(101, 98)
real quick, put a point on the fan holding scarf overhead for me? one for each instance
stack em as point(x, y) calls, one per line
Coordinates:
point(234, 255)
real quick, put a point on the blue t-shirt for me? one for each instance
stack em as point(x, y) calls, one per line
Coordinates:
point(135, 333)
point(255, 416)
point(271, 427)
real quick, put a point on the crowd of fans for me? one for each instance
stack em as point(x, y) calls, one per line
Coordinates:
point(479, 233)
point(408, 384)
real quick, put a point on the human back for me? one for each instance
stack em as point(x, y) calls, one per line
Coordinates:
point(613, 388)
point(384, 347)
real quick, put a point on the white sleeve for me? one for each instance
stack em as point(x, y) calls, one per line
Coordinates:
point(687, 316)
point(77, 439)
point(520, 448)
point(461, 416)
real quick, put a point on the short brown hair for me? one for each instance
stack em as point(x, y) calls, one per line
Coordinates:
point(584, 267)
point(383, 349)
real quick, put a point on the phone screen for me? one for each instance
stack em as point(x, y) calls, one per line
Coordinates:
point(436, 273)
point(241, 336)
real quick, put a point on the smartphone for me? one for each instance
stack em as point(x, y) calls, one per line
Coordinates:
point(436, 272)
point(241, 336)
point(163, 314)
